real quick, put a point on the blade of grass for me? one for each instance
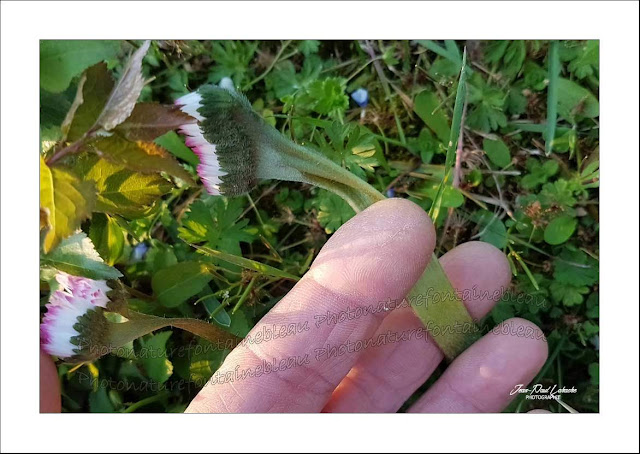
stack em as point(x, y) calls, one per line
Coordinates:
point(246, 263)
point(452, 146)
point(552, 97)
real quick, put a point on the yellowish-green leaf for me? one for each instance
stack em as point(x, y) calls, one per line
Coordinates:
point(107, 237)
point(46, 195)
point(69, 202)
point(119, 190)
point(146, 157)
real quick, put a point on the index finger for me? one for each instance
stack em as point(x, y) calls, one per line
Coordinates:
point(316, 329)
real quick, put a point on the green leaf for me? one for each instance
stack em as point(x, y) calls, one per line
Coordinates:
point(492, 229)
point(66, 200)
point(200, 362)
point(568, 294)
point(327, 97)
point(212, 306)
point(497, 151)
point(119, 190)
point(213, 221)
point(511, 54)
point(107, 237)
point(146, 157)
point(575, 101)
point(429, 108)
point(99, 401)
point(76, 255)
point(538, 173)
point(95, 92)
point(575, 267)
point(560, 229)
point(153, 355)
point(332, 210)
point(148, 121)
point(174, 285)
point(175, 145)
point(309, 46)
point(587, 60)
point(450, 197)
point(54, 107)
point(61, 60)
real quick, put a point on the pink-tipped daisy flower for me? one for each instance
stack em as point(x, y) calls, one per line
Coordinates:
point(209, 167)
point(74, 298)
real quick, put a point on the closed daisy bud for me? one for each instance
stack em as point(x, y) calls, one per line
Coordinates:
point(237, 148)
point(74, 323)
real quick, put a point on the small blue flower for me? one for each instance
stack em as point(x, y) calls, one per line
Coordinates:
point(139, 251)
point(361, 97)
point(391, 193)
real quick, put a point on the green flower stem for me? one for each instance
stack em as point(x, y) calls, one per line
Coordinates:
point(442, 312)
point(433, 298)
point(140, 324)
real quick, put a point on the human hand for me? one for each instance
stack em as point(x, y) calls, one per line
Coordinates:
point(376, 257)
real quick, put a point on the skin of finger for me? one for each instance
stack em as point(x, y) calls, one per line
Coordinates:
point(484, 378)
point(386, 376)
point(377, 256)
point(50, 400)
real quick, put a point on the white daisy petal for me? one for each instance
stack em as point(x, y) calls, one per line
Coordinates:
point(75, 297)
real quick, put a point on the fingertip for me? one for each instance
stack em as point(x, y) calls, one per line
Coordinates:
point(388, 245)
point(526, 340)
point(481, 272)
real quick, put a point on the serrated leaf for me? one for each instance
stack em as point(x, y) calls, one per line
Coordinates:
point(429, 108)
point(61, 60)
point(153, 355)
point(66, 199)
point(174, 285)
point(575, 267)
point(332, 211)
point(327, 96)
point(125, 94)
point(575, 101)
point(76, 255)
point(148, 121)
point(213, 221)
point(99, 401)
point(119, 190)
point(95, 92)
point(146, 157)
point(560, 230)
point(492, 229)
point(107, 237)
point(497, 151)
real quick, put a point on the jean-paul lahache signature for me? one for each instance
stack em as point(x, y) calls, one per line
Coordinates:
point(539, 391)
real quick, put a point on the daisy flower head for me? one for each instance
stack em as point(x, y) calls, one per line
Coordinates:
point(73, 319)
point(224, 137)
